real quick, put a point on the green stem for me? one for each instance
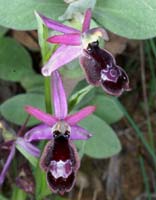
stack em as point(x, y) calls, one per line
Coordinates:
point(138, 132)
point(144, 87)
point(153, 47)
point(47, 90)
point(153, 82)
point(150, 61)
point(81, 151)
point(18, 194)
point(145, 177)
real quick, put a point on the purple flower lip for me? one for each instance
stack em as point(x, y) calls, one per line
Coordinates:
point(59, 159)
point(101, 69)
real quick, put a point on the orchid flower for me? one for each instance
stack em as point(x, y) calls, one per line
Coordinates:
point(11, 146)
point(59, 159)
point(98, 64)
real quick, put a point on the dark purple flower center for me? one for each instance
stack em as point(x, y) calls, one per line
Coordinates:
point(60, 162)
point(100, 68)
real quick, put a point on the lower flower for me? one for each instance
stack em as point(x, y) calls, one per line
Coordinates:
point(59, 159)
point(60, 162)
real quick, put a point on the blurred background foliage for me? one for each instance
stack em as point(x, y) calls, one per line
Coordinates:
point(131, 26)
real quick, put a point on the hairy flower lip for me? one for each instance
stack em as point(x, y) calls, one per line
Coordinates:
point(100, 68)
point(116, 93)
point(45, 164)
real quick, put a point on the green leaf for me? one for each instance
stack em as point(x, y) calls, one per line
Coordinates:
point(80, 85)
point(77, 7)
point(60, 198)
point(78, 99)
point(104, 142)
point(33, 83)
point(13, 108)
point(18, 194)
point(3, 30)
point(33, 160)
point(107, 108)
point(129, 18)
point(2, 197)
point(15, 62)
point(78, 96)
point(19, 14)
point(72, 70)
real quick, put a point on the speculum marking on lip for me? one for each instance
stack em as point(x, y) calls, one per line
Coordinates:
point(101, 69)
point(59, 160)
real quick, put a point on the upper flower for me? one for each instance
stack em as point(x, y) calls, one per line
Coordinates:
point(97, 63)
point(72, 41)
point(60, 158)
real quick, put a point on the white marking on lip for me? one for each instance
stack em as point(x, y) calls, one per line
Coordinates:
point(103, 77)
point(113, 72)
point(60, 168)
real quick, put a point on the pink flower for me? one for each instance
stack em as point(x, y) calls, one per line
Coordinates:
point(60, 158)
point(98, 64)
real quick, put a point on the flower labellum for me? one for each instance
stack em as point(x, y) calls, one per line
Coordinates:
point(60, 160)
point(101, 69)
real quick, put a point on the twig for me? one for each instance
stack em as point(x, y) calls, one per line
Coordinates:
point(21, 131)
point(143, 79)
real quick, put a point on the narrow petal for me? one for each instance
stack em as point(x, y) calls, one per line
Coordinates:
point(79, 133)
point(83, 113)
point(40, 115)
point(73, 39)
point(59, 96)
point(87, 19)
point(28, 147)
point(40, 132)
point(7, 164)
point(52, 24)
point(63, 55)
